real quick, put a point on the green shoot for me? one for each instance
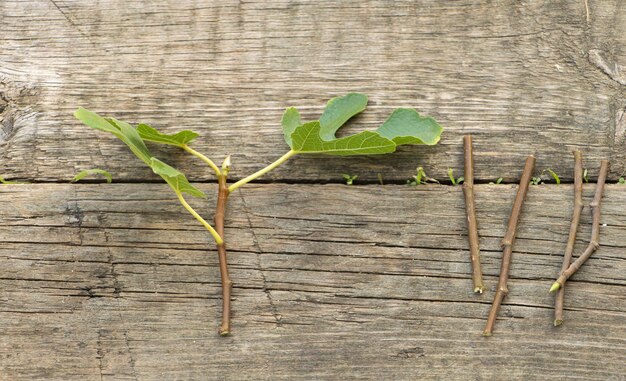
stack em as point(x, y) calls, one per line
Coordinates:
point(585, 176)
point(403, 127)
point(349, 179)
point(421, 178)
point(380, 178)
point(621, 180)
point(554, 176)
point(87, 172)
point(7, 182)
point(536, 180)
point(498, 181)
point(454, 181)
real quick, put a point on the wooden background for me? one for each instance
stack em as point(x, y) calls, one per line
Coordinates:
point(117, 282)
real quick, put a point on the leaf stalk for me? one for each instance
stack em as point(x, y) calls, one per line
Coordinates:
point(216, 236)
point(263, 171)
point(203, 158)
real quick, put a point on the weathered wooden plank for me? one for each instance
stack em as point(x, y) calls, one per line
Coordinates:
point(523, 77)
point(331, 282)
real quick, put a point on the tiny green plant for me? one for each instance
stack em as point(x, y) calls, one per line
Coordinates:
point(621, 180)
point(88, 172)
point(420, 178)
point(403, 127)
point(498, 181)
point(454, 181)
point(7, 182)
point(380, 178)
point(554, 175)
point(536, 180)
point(349, 178)
point(585, 175)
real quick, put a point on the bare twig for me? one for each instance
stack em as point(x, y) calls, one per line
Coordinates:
point(507, 244)
point(220, 212)
point(569, 249)
point(470, 209)
point(594, 243)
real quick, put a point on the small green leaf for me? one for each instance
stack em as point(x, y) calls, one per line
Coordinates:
point(585, 176)
point(338, 111)
point(406, 126)
point(96, 171)
point(306, 139)
point(451, 176)
point(178, 139)
point(290, 120)
point(621, 180)
point(174, 178)
point(126, 133)
point(499, 181)
point(122, 130)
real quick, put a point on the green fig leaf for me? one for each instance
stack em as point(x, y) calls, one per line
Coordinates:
point(406, 126)
point(306, 139)
point(290, 120)
point(122, 130)
point(174, 178)
point(338, 111)
point(129, 135)
point(178, 139)
point(96, 171)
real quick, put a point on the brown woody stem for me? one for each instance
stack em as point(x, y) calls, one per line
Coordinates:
point(470, 210)
point(220, 212)
point(569, 249)
point(507, 244)
point(594, 243)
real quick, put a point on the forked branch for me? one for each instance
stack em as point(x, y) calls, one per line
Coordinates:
point(594, 243)
point(470, 209)
point(507, 244)
point(569, 249)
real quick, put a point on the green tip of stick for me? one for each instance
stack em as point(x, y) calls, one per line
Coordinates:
point(555, 287)
point(479, 289)
point(486, 334)
point(558, 322)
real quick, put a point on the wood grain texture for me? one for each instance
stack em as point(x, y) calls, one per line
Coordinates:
point(524, 77)
point(117, 282)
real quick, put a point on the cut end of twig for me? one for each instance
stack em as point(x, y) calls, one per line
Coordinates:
point(555, 287)
point(487, 334)
point(479, 289)
point(224, 332)
point(558, 322)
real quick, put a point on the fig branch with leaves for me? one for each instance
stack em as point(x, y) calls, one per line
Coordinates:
point(403, 126)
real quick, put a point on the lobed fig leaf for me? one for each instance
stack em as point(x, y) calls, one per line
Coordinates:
point(404, 126)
